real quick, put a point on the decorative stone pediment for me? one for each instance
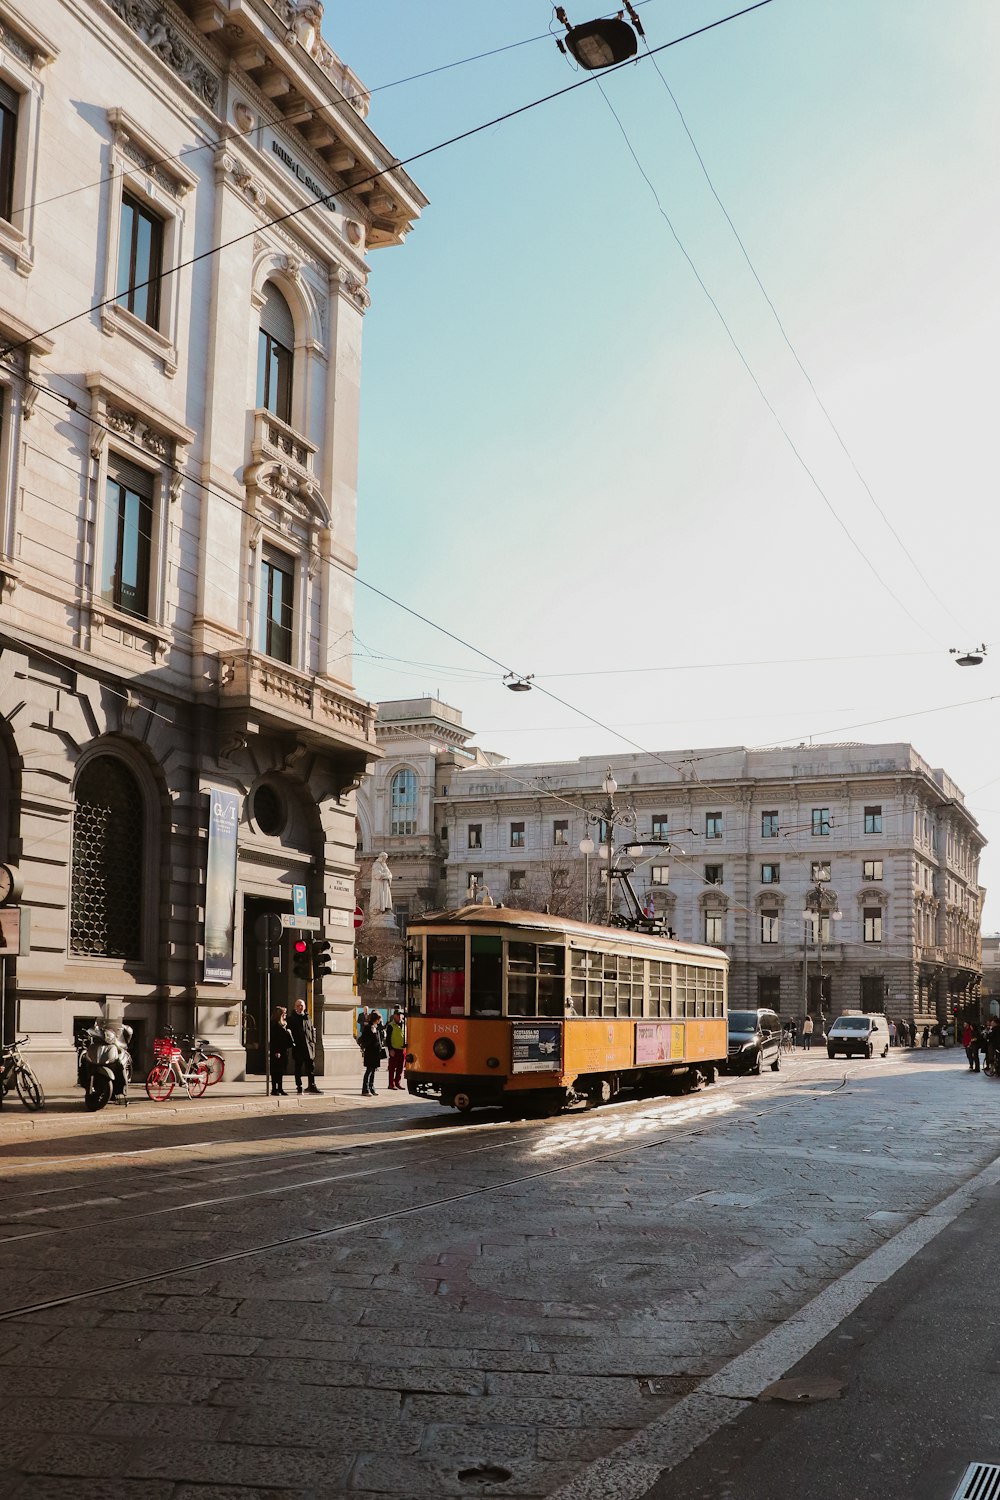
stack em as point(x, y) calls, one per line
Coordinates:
point(770, 900)
point(151, 23)
point(142, 426)
point(873, 895)
point(713, 898)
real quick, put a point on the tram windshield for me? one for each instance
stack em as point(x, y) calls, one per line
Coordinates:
point(446, 976)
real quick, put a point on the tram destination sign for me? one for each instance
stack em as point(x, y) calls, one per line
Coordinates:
point(535, 1048)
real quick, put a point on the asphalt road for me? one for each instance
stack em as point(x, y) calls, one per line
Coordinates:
point(390, 1301)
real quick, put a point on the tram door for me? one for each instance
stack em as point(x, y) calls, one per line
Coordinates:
point(255, 1007)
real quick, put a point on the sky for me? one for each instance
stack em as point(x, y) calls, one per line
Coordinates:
point(571, 463)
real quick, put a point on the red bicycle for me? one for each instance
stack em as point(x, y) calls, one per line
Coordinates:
point(171, 1067)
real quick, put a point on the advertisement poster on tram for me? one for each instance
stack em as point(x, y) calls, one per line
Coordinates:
point(535, 1048)
point(658, 1042)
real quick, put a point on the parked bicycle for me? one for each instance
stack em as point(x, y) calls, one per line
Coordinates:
point(171, 1067)
point(198, 1049)
point(14, 1071)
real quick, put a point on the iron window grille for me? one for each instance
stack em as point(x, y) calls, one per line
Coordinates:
point(108, 846)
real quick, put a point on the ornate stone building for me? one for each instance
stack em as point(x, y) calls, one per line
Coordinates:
point(189, 191)
point(745, 838)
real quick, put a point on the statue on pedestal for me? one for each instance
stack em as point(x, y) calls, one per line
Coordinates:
point(381, 885)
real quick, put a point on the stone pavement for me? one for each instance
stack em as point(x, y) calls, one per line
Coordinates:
point(411, 1303)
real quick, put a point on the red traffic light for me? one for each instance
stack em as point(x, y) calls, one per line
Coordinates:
point(300, 945)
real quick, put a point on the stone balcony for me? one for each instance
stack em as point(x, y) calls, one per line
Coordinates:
point(275, 442)
point(257, 693)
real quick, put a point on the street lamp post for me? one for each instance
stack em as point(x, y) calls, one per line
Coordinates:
point(605, 821)
point(586, 849)
point(820, 903)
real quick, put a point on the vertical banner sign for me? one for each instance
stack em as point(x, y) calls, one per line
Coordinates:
point(220, 886)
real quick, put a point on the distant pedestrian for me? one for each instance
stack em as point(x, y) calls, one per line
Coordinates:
point(892, 1033)
point(904, 1033)
point(970, 1041)
point(279, 1041)
point(807, 1033)
point(793, 1032)
point(303, 1048)
point(395, 1037)
point(372, 1051)
point(925, 1038)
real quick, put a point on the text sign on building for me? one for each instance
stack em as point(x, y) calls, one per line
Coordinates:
point(220, 885)
point(536, 1049)
point(280, 151)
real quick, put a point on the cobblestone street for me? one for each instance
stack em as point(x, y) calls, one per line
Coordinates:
point(407, 1303)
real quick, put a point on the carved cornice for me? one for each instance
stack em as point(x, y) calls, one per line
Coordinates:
point(24, 41)
point(162, 35)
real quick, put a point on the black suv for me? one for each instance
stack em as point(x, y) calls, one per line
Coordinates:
point(754, 1039)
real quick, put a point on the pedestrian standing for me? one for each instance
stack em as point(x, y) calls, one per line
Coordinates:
point(303, 1034)
point(279, 1041)
point(372, 1051)
point(892, 1033)
point(925, 1038)
point(793, 1032)
point(807, 1033)
point(903, 1032)
point(395, 1037)
point(970, 1041)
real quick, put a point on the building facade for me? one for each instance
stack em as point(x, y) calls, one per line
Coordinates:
point(189, 192)
point(836, 876)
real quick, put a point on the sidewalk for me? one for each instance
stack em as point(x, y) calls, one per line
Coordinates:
point(896, 1402)
point(64, 1112)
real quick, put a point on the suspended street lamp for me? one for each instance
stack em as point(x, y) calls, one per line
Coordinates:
point(598, 44)
point(973, 658)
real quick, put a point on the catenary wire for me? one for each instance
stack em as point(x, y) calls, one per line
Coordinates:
point(294, 213)
point(792, 349)
point(798, 455)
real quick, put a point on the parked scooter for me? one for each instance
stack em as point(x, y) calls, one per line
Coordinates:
point(103, 1063)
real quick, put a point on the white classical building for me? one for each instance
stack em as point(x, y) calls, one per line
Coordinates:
point(189, 192)
point(736, 844)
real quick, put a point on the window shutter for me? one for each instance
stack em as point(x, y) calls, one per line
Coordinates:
point(131, 475)
point(276, 317)
point(9, 98)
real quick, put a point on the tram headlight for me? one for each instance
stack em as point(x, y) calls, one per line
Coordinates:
point(410, 1059)
point(444, 1048)
point(493, 1062)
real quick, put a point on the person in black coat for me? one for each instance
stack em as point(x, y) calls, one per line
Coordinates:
point(279, 1041)
point(304, 1048)
point(372, 1051)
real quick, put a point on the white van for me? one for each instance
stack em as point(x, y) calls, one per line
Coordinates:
point(857, 1033)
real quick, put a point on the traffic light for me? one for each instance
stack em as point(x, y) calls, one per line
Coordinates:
point(302, 957)
point(322, 962)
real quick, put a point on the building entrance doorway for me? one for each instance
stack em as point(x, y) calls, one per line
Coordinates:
point(820, 994)
point(872, 994)
point(261, 995)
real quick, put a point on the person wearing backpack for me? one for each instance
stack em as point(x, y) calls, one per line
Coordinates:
point(395, 1038)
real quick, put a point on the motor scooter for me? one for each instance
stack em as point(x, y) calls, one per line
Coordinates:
point(103, 1063)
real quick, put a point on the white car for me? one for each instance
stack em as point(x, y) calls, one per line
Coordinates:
point(857, 1033)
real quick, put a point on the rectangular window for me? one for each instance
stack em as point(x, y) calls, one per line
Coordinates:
point(769, 825)
point(873, 924)
point(873, 820)
point(770, 874)
point(277, 584)
point(713, 927)
point(769, 992)
point(769, 927)
point(872, 869)
point(9, 107)
point(660, 827)
point(820, 822)
point(560, 880)
point(819, 869)
point(713, 825)
point(518, 880)
point(713, 874)
point(128, 531)
point(274, 376)
point(475, 835)
point(517, 835)
point(660, 875)
point(140, 258)
point(560, 831)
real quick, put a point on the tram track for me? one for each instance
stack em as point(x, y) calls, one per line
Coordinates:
point(689, 1125)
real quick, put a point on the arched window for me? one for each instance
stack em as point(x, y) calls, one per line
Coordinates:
point(403, 803)
point(108, 841)
point(275, 343)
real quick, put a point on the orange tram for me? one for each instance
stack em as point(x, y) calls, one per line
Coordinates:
point(532, 1012)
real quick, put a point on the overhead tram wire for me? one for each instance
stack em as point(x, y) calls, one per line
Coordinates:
point(324, 198)
point(794, 352)
point(746, 365)
point(301, 116)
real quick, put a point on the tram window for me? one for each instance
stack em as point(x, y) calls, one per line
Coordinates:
point(520, 995)
point(521, 956)
point(550, 959)
point(445, 976)
point(486, 987)
point(550, 995)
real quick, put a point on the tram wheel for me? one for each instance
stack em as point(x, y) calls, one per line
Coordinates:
point(601, 1092)
point(463, 1103)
